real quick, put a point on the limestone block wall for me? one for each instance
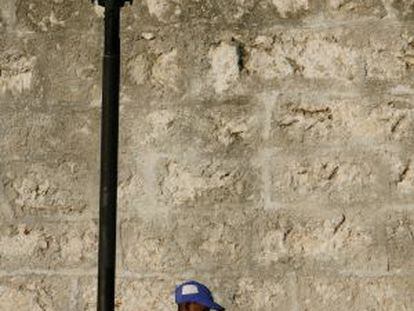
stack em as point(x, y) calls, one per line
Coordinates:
point(266, 149)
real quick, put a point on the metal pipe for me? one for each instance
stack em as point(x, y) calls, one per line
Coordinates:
point(109, 156)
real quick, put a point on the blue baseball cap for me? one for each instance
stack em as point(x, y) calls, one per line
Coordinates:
point(193, 291)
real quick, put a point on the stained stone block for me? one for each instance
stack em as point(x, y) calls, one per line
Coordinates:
point(7, 15)
point(22, 293)
point(232, 127)
point(224, 66)
point(347, 293)
point(166, 71)
point(404, 9)
point(402, 177)
point(58, 187)
point(195, 179)
point(356, 9)
point(132, 294)
point(329, 176)
point(291, 7)
point(137, 186)
point(71, 71)
point(400, 237)
point(200, 239)
point(163, 10)
point(322, 55)
point(55, 16)
point(304, 120)
point(19, 72)
point(331, 241)
point(339, 53)
point(42, 135)
point(259, 292)
point(48, 245)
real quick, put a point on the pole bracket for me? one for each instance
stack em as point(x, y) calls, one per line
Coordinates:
point(120, 3)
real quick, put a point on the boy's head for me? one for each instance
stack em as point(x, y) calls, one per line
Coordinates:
point(194, 296)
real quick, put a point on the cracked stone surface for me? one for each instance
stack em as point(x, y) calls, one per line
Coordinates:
point(265, 149)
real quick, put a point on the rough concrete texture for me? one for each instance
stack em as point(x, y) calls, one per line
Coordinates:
point(266, 149)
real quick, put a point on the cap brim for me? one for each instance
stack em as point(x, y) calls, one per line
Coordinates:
point(207, 303)
point(216, 306)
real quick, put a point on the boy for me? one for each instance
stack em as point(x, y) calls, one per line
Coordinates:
point(194, 296)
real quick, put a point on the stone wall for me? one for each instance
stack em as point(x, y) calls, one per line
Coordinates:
point(266, 149)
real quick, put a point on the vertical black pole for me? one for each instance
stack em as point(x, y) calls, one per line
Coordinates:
point(109, 159)
point(109, 156)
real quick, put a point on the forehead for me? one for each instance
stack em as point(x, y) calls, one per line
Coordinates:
point(198, 307)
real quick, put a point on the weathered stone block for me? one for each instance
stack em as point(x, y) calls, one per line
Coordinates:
point(269, 63)
point(325, 176)
point(200, 239)
point(48, 245)
point(305, 120)
point(71, 72)
point(217, 12)
point(55, 16)
point(137, 184)
point(22, 293)
point(400, 240)
point(401, 175)
point(18, 70)
point(164, 10)
point(235, 10)
point(389, 119)
point(349, 293)
point(166, 70)
point(232, 127)
point(291, 7)
point(46, 188)
point(389, 57)
point(356, 9)
point(403, 8)
point(224, 66)
point(132, 294)
point(44, 135)
point(315, 241)
point(322, 55)
point(341, 54)
point(260, 292)
point(310, 120)
point(7, 15)
point(6, 211)
point(195, 179)
point(138, 69)
point(155, 65)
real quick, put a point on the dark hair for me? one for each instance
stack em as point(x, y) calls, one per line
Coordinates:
point(182, 306)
